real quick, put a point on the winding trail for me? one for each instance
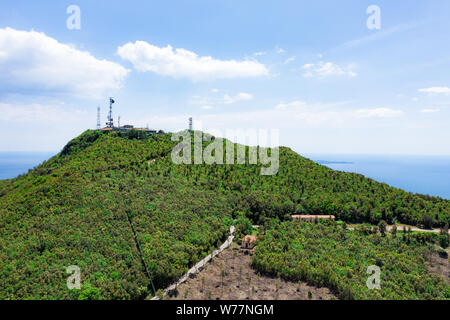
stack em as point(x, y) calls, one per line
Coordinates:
point(200, 265)
point(402, 227)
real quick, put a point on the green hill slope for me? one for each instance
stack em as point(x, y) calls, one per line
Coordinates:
point(325, 254)
point(81, 206)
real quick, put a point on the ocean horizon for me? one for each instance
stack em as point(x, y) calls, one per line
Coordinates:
point(417, 174)
point(429, 175)
point(15, 163)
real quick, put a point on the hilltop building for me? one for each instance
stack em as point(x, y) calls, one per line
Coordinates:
point(311, 218)
point(249, 242)
point(127, 127)
point(110, 123)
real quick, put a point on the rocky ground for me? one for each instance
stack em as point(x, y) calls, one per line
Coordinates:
point(230, 277)
point(439, 264)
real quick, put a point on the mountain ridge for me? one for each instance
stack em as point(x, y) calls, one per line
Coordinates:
point(75, 209)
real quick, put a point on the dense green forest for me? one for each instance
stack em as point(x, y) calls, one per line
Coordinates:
point(82, 207)
point(329, 255)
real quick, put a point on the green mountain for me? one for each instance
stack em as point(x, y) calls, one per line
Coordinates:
point(117, 206)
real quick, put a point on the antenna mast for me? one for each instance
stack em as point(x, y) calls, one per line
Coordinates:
point(190, 124)
point(110, 122)
point(98, 118)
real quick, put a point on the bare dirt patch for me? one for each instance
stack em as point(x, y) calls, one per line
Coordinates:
point(230, 277)
point(439, 264)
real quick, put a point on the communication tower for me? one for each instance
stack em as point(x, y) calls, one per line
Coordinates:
point(110, 122)
point(98, 118)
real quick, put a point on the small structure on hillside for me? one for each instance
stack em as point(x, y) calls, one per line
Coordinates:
point(248, 242)
point(110, 123)
point(311, 218)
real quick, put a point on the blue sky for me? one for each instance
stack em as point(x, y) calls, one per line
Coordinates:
point(313, 70)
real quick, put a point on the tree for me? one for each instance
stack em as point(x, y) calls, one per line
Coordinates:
point(444, 230)
point(382, 227)
point(427, 221)
point(443, 241)
point(394, 231)
point(444, 237)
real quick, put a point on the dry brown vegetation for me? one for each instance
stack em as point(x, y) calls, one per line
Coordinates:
point(230, 277)
point(439, 264)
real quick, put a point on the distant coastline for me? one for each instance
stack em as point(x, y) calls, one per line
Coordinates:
point(333, 162)
point(429, 175)
point(13, 164)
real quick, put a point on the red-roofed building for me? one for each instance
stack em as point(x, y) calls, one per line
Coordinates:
point(311, 218)
point(248, 242)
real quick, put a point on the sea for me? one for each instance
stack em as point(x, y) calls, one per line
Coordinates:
point(418, 174)
point(13, 164)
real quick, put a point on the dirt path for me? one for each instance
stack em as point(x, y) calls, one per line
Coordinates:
point(192, 273)
point(401, 227)
point(241, 282)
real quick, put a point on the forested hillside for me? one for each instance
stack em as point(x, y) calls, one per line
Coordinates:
point(331, 256)
point(81, 206)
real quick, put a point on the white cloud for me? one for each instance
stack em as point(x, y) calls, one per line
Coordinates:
point(239, 97)
point(207, 107)
point(378, 113)
point(289, 60)
point(296, 115)
point(436, 90)
point(181, 63)
point(280, 50)
point(33, 61)
point(325, 69)
point(215, 90)
point(260, 53)
point(430, 110)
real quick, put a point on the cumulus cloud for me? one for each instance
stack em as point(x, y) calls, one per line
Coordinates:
point(181, 63)
point(326, 69)
point(33, 61)
point(436, 90)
